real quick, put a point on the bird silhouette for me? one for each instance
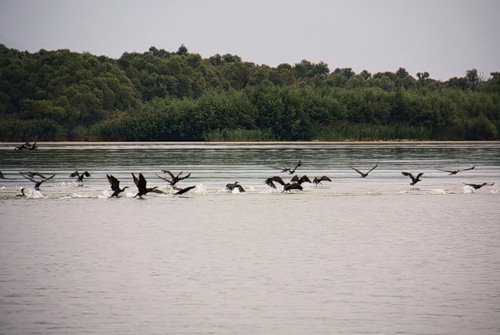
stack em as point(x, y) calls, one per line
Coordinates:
point(33, 174)
point(478, 186)
point(140, 182)
point(301, 180)
point(38, 182)
point(232, 186)
point(115, 185)
point(452, 172)
point(184, 190)
point(270, 181)
point(291, 186)
point(287, 169)
point(363, 175)
point(174, 178)
point(317, 180)
point(414, 179)
point(33, 146)
point(80, 176)
point(23, 146)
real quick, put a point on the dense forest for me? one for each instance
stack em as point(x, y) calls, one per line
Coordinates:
point(179, 96)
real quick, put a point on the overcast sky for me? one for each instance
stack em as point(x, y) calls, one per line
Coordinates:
point(442, 37)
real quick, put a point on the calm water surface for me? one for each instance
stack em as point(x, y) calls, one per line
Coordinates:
point(356, 255)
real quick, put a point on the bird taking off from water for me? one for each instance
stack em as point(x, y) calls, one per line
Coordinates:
point(414, 179)
point(301, 180)
point(184, 190)
point(317, 180)
point(140, 182)
point(270, 181)
point(451, 172)
point(115, 185)
point(174, 179)
point(235, 185)
point(287, 169)
point(80, 176)
point(38, 182)
point(363, 175)
point(291, 186)
point(478, 186)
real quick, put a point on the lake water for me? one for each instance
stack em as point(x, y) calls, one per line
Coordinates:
point(370, 255)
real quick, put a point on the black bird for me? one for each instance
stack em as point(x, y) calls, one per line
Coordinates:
point(363, 175)
point(303, 179)
point(33, 174)
point(115, 185)
point(478, 186)
point(232, 186)
point(175, 179)
point(320, 179)
point(184, 190)
point(291, 186)
point(38, 182)
point(33, 146)
point(457, 170)
point(270, 181)
point(80, 176)
point(287, 169)
point(414, 180)
point(26, 145)
point(141, 186)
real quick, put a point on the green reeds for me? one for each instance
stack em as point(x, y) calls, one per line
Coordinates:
point(366, 132)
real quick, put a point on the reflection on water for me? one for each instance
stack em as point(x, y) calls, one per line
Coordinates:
point(354, 256)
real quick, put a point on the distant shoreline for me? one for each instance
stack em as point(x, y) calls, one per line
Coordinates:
point(250, 142)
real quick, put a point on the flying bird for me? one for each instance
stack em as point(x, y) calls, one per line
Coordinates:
point(287, 169)
point(115, 185)
point(478, 186)
point(80, 176)
point(303, 179)
point(140, 182)
point(174, 178)
point(270, 181)
point(38, 182)
point(232, 186)
point(291, 186)
point(184, 190)
point(317, 180)
point(452, 172)
point(414, 179)
point(363, 175)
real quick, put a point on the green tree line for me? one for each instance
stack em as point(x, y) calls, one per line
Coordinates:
point(180, 96)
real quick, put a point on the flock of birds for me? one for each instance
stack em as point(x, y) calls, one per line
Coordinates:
point(172, 179)
point(295, 182)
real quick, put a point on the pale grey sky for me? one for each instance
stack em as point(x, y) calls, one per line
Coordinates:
point(442, 37)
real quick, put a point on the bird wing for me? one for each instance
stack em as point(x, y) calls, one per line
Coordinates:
point(169, 173)
point(28, 177)
point(278, 180)
point(142, 182)
point(163, 178)
point(74, 174)
point(86, 174)
point(373, 168)
point(419, 175)
point(408, 174)
point(269, 182)
point(471, 168)
point(136, 180)
point(326, 178)
point(185, 177)
point(449, 171)
point(184, 190)
point(361, 173)
point(113, 182)
point(47, 178)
